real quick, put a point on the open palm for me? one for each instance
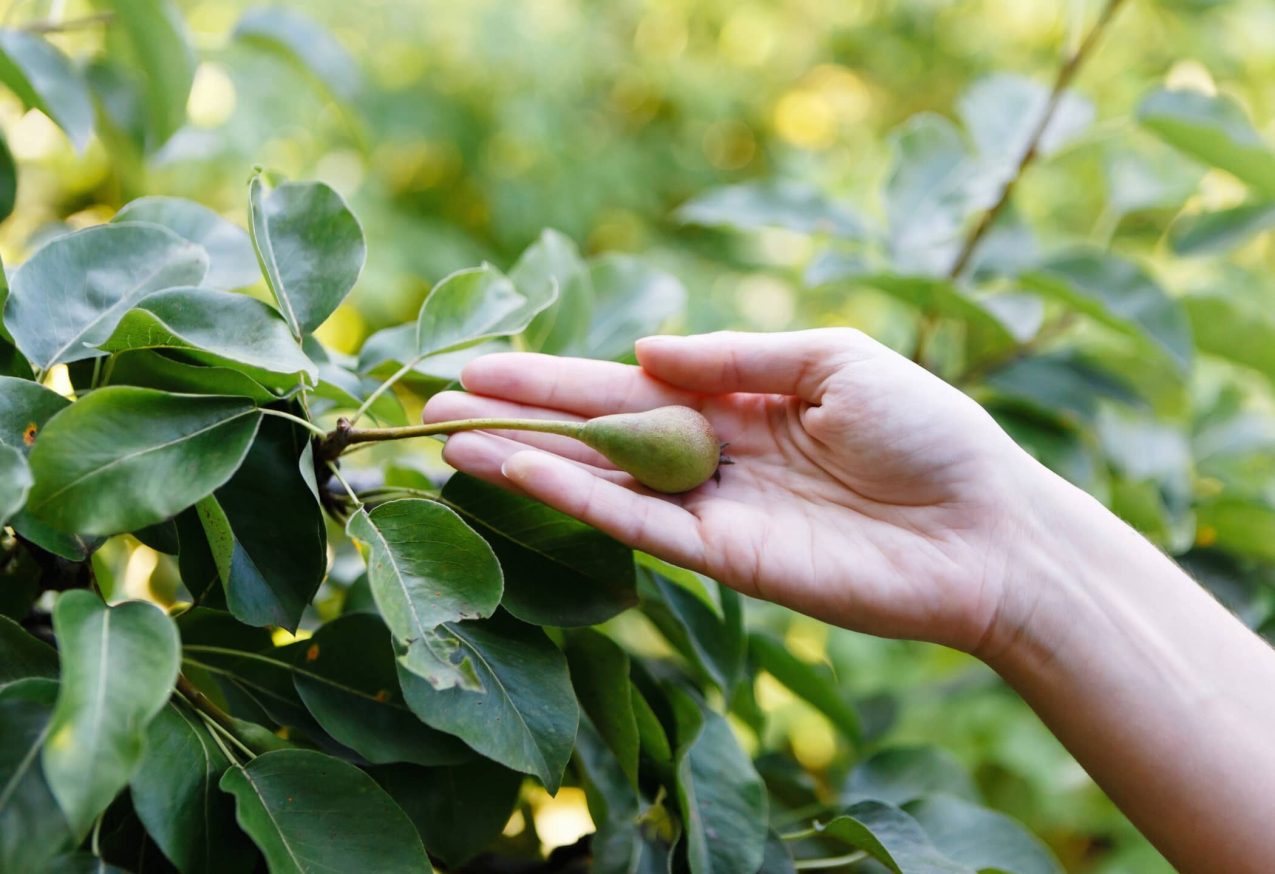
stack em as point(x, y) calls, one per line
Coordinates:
point(865, 491)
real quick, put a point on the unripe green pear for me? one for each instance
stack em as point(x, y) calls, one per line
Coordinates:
point(669, 449)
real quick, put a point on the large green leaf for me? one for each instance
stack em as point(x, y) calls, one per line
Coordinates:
point(558, 571)
point(124, 458)
point(722, 799)
point(266, 530)
point(176, 796)
point(45, 79)
point(23, 656)
point(15, 482)
point(1119, 294)
point(789, 205)
point(425, 567)
point(348, 682)
point(631, 299)
point(89, 279)
point(1216, 232)
point(525, 717)
point(457, 810)
point(302, 41)
point(600, 676)
point(310, 247)
point(892, 837)
point(1214, 130)
point(153, 369)
point(477, 304)
point(32, 828)
point(713, 643)
point(897, 775)
point(159, 46)
point(232, 263)
point(816, 683)
point(311, 813)
point(614, 804)
point(118, 668)
point(216, 327)
point(554, 259)
point(981, 838)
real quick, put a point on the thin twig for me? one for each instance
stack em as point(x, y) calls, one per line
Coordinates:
point(384, 387)
point(305, 423)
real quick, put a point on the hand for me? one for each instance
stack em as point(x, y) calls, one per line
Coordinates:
point(865, 491)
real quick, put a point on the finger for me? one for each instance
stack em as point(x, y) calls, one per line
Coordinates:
point(796, 363)
point(449, 405)
point(577, 385)
point(651, 524)
point(481, 454)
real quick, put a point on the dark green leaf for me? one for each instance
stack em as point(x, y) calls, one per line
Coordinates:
point(23, 656)
point(982, 838)
point(310, 247)
point(1217, 232)
point(124, 458)
point(8, 182)
point(778, 858)
point(32, 828)
point(1120, 294)
point(459, 810)
point(176, 797)
point(304, 42)
point(898, 775)
point(788, 205)
point(525, 717)
point(15, 482)
point(45, 79)
point(631, 299)
point(232, 263)
point(90, 278)
point(714, 644)
point(474, 305)
point(600, 676)
point(723, 801)
point(118, 668)
point(349, 683)
point(1214, 130)
point(816, 683)
point(216, 327)
point(1060, 385)
point(159, 46)
point(893, 838)
point(425, 567)
point(558, 571)
point(24, 408)
point(614, 804)
point(311, 813)
point(149, 369)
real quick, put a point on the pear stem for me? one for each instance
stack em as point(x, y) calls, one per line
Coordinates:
point(346, 435)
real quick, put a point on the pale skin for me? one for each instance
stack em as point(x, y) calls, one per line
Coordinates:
point(870, 494)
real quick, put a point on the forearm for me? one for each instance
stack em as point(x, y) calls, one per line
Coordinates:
point(1160, 693)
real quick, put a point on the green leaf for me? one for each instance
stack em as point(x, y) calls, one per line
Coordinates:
point(160, 48)
point(477, 304)
point(310, 247)
point(816, 683)
point(614, 804)
point(458, 810)
point(1214, 130)
point(525, 717)
point(23, 656)
point(25, 407)
point(893, 838)
point(722, 799)
point(311, 813)
point(302, 41)
point(425, 567)
point(558, 571)
point(45, 79)
point(898, 775)
point(943, 298)
point(1001, 113)
point(1216, 232)
point(552, 260)
point(118, 668)
point(773, 204)
point(342, 389)
point(124, 458)
point(32, 828)
point(982, 838)
point(216, 327)
point(1061, 386)
point(8, 182)
point(266, 530)
point(714, 644)
point(176, 797)
point(600, 676)
point(1239, 525)
point(707, 591)
point(150, 369)
point(91, 278)
point(1228, 326)
point(232, 263)
point(15, 482)
point(1119, 294)
point(631, 299)
point(349, 683)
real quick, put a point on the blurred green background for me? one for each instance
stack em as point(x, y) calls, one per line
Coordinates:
point(459, 130)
